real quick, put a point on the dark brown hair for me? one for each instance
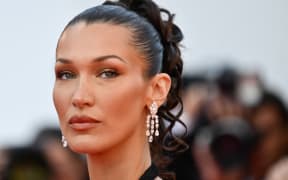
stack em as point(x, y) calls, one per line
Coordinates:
point(158, 40)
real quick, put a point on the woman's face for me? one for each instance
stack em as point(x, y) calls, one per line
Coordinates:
point(100, 92)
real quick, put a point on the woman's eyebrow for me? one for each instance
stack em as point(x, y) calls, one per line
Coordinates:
point(97, 59)
point(103, 58)
point(63, 61)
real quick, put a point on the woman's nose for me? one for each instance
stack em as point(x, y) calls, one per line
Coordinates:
point(83, 95)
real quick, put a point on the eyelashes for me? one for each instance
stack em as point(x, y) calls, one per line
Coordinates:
point(108, 74)
point(103, 74)
point(65, 75)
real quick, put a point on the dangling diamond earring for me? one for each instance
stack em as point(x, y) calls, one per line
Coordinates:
point(152, 122)
point(64, 142)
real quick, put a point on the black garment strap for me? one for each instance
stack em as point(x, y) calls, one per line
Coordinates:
point(151, 173)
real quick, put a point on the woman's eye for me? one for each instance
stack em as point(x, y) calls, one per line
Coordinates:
point(108, 73)
point(65, 75)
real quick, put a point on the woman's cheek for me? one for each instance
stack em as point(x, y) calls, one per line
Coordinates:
point(60, 102)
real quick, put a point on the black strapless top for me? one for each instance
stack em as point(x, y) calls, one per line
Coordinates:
point(150, 174)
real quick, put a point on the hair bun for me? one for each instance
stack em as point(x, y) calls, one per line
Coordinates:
point(138, 6)
point(147, 9)
point(176, 34)
point(131, 3)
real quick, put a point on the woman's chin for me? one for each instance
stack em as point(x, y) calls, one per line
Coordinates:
point(86, 147)
point(79, 149)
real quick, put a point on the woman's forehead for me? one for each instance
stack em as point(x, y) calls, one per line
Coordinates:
point(96, 33)
point(92, 39)
point(87, 41)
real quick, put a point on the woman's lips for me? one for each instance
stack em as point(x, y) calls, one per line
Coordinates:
point(82, 123)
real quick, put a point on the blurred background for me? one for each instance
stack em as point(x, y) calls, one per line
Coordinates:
point(234, 49)
point(250, 35)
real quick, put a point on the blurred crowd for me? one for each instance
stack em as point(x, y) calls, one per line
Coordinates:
point(236, 130)
point(42, 159)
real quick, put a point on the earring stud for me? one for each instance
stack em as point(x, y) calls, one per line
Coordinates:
point(64, 142)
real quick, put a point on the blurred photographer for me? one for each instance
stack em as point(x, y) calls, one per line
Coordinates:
point(270, 118)
point(223, 138)
point(222, 150)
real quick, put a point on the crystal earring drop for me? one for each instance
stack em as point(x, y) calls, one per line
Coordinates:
point(152, 122)
point(64, 142)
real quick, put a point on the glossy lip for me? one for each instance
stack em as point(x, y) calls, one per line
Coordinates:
point(81, 123)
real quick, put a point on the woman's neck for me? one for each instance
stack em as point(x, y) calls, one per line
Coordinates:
point(126, 161)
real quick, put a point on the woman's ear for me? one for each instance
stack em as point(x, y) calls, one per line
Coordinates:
point(160, 86)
